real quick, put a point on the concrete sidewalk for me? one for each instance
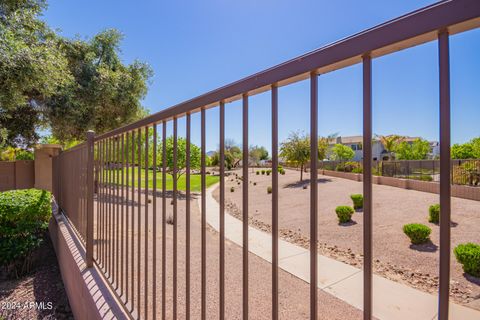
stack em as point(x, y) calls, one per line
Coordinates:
point(391, 300)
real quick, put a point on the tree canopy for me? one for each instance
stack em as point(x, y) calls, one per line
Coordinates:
point(296, 150)
point(66, 85)
point(342, 152)
point(416, 150)
point(258, 154)
point(468, 150)
point(195, 154)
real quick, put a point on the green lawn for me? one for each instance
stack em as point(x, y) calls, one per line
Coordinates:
point(195, 179)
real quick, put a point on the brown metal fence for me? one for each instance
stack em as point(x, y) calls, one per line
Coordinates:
point(120, 237)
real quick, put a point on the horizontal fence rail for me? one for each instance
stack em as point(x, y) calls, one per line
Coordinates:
point(134, 223)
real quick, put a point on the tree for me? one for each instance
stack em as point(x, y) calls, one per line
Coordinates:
point(233, 154)
point(105, 94)
point(195, 155)
point(468, 150)
point(390, 143)
point(296, 150)
point(69, 86)
point(342, 152)
point(323, 144)
point(258, 154)
point(416, 150)
point(32, 67)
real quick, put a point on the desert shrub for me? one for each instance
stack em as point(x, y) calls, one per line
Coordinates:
point(344, 213)
point(269, 189)
point(232, 189)
point(468, 254)
point(254, 183)
point(348, 166)
point(357, 201)
point(24, 216)
point(257, 173)
point(434, 213)
point(268, 172)
point(263, 171)
point(282, 172)
point(357, 170)
point(417, 232)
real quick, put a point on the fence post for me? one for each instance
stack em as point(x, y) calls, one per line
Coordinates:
point(90, 187)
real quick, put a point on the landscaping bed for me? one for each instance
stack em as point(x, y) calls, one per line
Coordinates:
point(394, 257)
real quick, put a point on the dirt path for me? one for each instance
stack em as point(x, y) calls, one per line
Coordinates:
point(392, 208)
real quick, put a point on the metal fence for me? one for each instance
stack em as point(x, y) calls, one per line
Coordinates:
point(118, 227)
point(463, 171)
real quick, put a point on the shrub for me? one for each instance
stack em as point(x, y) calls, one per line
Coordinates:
point(357, 201)
point(468, 254)
point(257, 173)
point(357, 170)
point(263, 171)
point(434, 213)
point(344, 213)
point(417, 232)
point(268, 172)
point(232, 189)
point(269, 189)
point(24, 216)
point(282, 172)
point(254, 183)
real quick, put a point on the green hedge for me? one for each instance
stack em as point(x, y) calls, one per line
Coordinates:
point(434, 213)
point(344, 213)
point(417, 232)
point(24, 216)
point(468, 255)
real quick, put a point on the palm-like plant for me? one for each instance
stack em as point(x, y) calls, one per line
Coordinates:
point(390, 142)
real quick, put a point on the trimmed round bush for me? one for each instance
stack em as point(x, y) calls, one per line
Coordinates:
point(269, 189)
point(417, 232)
point(257, 173)
point(344, 213)
point(357, 201)
point(434, 213)
point(468, 254)
point(268, 172)
point(263, 171)
point(232, 189)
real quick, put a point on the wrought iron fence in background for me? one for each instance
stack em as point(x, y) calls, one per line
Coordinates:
point(463, 172)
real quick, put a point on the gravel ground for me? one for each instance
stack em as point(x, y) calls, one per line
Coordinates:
point(293, 292)
point(394, 257)
point(43, 285)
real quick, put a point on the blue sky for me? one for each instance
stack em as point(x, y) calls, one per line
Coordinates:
point(197, 46)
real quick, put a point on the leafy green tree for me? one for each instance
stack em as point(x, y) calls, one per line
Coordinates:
point(390, 143)
point(195, 154)
point(416, 150)
point(468, 150)
point(342, 152)
point(258, 154)
point(32, 67)
point(296, 150)
point(105, 94)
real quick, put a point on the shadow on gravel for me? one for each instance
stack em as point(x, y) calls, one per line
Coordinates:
point(301, 184)
point(347, 224)
point(472, 279)
point(425, 247)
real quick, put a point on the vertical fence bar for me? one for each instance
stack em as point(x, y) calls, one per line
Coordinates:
point(313, 194)
point(175, 222)
point(117, 210)
point(132, 233)
point(367, 187)
point(145, 300)
point(444, 61)
point(110, 206)
point(100, 201)
point(245, 204)
point(127, 206)
point(122, 223)
point(139, 217)
point(90, 186)
point(203, 222)
point(154, 204)
point(274, 202)
point(187, 222)
point(222, 210)
point(164, 217)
